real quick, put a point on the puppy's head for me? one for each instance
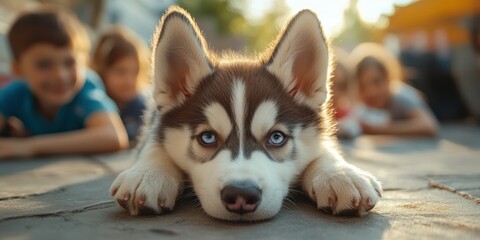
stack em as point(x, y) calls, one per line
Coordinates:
point(242, 129)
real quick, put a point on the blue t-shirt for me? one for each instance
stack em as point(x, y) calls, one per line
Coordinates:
point(132, 115)
point(16, 100)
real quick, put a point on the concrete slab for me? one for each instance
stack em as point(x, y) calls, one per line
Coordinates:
point(457, 182)
point(475, 194)
point(67, 198)
point(403, 163)
point(116, 162)
point(429, 214)
point(467, 186)
point(426, 214)
point(21, 178)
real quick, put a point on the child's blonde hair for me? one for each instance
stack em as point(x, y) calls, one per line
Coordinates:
point(117, 43)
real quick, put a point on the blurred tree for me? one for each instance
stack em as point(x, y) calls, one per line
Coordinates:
point(267, 28)
point(230, 19)
point(354, 30)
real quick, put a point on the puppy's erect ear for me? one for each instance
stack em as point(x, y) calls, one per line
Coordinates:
point(301, 61)
point(180, 58)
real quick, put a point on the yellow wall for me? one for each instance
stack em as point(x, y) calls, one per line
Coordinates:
point(430, 15)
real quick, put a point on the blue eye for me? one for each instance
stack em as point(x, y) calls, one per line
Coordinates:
point(207, 138)
point(277, 138)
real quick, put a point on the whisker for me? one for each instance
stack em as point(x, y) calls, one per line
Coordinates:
point(186, 196)
point(287, 200)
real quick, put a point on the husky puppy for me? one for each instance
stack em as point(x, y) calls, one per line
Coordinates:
point(243, 131)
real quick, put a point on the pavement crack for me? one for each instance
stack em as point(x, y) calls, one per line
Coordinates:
point(100, 205)
point(163, 232)
point(406, 189)
point(61, 189)
point(101, 164)
point(453, 190)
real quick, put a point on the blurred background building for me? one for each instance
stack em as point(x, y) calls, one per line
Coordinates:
point(438, 41)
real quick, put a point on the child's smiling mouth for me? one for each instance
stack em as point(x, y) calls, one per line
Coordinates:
point(58, 88)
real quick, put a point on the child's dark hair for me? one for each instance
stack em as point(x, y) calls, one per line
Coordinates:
point(370, 62)
point(47, 25)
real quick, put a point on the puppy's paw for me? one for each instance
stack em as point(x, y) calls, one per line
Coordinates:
point(142, 190)
point(345, 191)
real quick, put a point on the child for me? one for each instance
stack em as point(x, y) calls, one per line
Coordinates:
point(122, 61)
point(347, 124)
point(391, 107)
point(57, 102)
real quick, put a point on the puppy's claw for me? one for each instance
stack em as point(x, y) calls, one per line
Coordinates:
point(379, 193)
point(355, 203)
point(135, 193)
point(369, 207)
point(141, 200)
point(160, 203)
point(331, 203)
point(114, 191)
point(123, 204)
point(346, 191)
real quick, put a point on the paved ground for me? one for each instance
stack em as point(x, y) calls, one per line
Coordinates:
point(432, 190)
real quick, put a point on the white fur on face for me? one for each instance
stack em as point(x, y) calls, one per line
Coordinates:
point(238, 104)
point(273, 178)
point(177, 143)
point(263, 120)
point(218, 119)
point(307, 145)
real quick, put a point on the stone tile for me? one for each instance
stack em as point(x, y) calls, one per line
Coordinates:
point(38, 176)
point(70, 197)
point(457, 182)
point(116, 162)
point(67, 198)
point(474, 193)
point(403, 163)
point(14, 166)
point(432, 214)
point(467, 135)
point(425, 214)
point(467, 186)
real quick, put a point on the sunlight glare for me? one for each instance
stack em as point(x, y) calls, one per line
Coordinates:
point(330, 13)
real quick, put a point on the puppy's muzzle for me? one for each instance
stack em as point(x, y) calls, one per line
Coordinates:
point(241, 197)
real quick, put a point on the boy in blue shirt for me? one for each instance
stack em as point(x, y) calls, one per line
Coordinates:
point(57, 103)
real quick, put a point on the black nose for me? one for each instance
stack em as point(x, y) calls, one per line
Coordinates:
point(241, 196)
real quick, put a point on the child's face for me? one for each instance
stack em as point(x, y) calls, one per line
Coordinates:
point(53, 73)
point(374, 89)
point(121, 79)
